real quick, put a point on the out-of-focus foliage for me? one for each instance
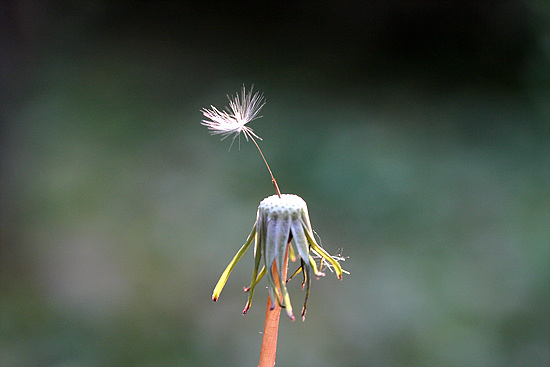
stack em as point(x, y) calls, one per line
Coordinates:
point(417, 132)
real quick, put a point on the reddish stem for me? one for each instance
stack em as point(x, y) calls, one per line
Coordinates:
point(271, 327)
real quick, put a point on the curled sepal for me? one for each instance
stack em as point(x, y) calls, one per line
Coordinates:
point(225, 275)
point(321, 251)
point(255, 276)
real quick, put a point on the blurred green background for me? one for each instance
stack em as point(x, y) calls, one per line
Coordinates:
point(417, 132)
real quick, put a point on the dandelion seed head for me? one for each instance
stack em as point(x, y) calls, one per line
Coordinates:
point(282, 227)
point(242, 109)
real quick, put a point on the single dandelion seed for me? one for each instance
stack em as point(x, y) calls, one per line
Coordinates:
point(242, 109)
point(232, 121)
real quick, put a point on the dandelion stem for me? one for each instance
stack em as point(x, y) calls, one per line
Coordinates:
point(271, 327)
point(269, 169)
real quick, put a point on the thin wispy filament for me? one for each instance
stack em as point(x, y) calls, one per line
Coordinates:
point(232, 121)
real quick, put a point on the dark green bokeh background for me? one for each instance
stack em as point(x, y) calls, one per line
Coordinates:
point(417, 132)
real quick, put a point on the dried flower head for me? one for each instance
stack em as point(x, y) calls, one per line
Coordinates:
point(242, 109)
point(282, 225)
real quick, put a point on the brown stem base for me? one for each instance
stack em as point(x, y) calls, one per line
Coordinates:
point(271, 326)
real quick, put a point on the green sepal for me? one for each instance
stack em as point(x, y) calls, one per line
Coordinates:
point(321, 251)
point(225, 275)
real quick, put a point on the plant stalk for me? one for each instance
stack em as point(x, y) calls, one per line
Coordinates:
point(271, 326)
